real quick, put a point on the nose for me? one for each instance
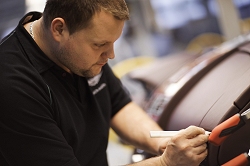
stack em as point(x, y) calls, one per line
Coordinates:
point(110, 54)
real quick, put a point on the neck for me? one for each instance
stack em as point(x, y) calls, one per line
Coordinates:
point(43, 39)
point(38, 32)
point(31, 29)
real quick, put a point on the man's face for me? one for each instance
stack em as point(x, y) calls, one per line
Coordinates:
point(85, 52)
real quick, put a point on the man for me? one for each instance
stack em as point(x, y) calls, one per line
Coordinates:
point(59, 96)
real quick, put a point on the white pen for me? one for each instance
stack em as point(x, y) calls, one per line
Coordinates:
point(160, 134)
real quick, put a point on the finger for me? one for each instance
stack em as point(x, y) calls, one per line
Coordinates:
point(192, 131)
point(200, 149)
point(200, 157)
point(162, 145)
point(198, 140)
point(203, 154)
point(198, 153)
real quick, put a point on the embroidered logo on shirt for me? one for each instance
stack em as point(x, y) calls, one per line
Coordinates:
point(103, 85)
point(94, 81)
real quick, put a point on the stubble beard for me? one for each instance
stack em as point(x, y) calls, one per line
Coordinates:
point(63, 58)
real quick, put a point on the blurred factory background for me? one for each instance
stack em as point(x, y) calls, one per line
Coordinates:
point(156, 28)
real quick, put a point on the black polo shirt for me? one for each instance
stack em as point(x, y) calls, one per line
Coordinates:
point(48, 116)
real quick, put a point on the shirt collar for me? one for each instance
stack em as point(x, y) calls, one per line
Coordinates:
point(36, 56)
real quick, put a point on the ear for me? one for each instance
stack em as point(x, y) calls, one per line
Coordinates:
point(59, 29)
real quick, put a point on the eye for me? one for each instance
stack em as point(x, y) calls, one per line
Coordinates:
point(100, 45)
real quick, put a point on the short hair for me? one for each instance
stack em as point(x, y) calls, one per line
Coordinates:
point(77, 14)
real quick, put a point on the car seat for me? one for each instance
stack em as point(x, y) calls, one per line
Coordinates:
point(214, 87)
point(205, 91)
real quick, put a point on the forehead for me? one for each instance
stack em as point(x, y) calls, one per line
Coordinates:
point(104, 26)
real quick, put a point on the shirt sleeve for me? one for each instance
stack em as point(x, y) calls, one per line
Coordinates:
point(119, 95)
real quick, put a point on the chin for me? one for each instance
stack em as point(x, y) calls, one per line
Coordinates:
point(96, 73)
point(91, 73)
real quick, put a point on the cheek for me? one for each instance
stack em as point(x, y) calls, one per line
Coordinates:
point(83, 54)
point(76, 52)
point(85, 58)
point(90, 55)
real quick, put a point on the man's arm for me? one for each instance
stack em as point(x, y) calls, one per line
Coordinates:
point(188, 147)
point(154, 161)
point(133, 125)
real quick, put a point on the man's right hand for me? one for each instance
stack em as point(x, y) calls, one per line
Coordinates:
point(187, 148)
